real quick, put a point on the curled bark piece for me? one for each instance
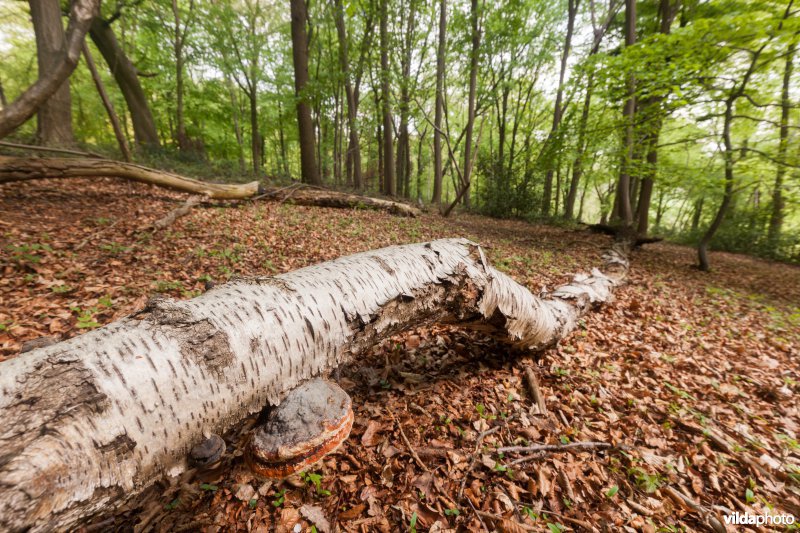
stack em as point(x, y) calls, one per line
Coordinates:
point(23, 169)
point(311, 422)
point(90, 422)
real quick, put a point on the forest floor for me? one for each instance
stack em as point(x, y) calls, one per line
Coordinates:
point(693, 377)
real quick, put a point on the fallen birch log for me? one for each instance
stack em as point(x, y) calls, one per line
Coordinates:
point(91, 422)
point(25, 168)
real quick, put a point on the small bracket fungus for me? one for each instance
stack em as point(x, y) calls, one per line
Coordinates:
point(311, 422)
point(208, 452)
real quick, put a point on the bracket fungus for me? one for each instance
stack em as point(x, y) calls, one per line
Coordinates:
point(311, 422)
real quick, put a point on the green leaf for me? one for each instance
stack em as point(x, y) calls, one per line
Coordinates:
point(612, 491)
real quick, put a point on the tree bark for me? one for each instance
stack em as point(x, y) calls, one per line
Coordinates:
point(558, 110)
point(92, 421)
point(778, 202)
point(436, 198)
point(308, 162)
point(622, 202)
point(178, 44)
point(403, 139)
point(144, 127)
point(389, 182)
point(23, 169)
point(112, 115)
point(54, 117)
point(577, 165)
point(353, 146)
point(473, 90)
point(13, 116)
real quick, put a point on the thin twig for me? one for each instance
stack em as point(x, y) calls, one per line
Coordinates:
point(557, 447)
point(500, 519)
point(704, 513)
point(94, 235)
point(478, 443)
point(408, 443)
point(478, 514)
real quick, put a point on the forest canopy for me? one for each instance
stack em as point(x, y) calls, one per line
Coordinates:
point(677, 118)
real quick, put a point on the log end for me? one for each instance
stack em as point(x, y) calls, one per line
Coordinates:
point(311, 422)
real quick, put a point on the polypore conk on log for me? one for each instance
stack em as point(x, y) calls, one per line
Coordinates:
point(311, 422)
point(90, 422)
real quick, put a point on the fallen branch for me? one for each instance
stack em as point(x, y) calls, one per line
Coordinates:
point(533, 388)
point(538, 451)
point(411, 450)
point(705, 513)
point(34, 148)
point(91, 422)
point(302, 195)
point(14, 169)
point(741, 456)
point(177, 213)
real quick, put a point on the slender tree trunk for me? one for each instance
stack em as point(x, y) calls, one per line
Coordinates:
point(778, 202)
point(436, 197)
point(577, 165)
point(353, 147)
point(389, 182)
point(558, 111)
point(109, 107)
point(179, 41)
point(54, 118)
point(473, 89)
point(28, 103)
point(698, 213)
point(237, 125)
point(144, 127)
point(308, 163)
point(255, 136)
point(3, 101)
point(622, 203)
point(702, 254)
point(403, 139)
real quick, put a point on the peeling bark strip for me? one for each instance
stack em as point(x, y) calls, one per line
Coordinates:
point(23, 168)
point(92, 421)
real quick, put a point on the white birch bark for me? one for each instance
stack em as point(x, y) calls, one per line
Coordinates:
point(90, 422)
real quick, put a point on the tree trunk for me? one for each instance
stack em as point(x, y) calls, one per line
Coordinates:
point(112, 115)
point(353, 146)
point(13, 116)
point(403, 139)
point(23, 169)
point(389, 182)
point(622, 202)
point(92, 421)
point(308, 163)
point(54, 118)
point(436, 198)
point(778, 202)
point(558, 111)
point(702, 247)
point(144, 127)
point(473, 89)
point(178, 43)
point(577, 165)
point(255, 135)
